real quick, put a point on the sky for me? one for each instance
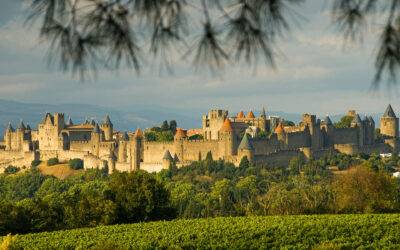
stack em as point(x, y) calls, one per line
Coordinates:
point(316, 72)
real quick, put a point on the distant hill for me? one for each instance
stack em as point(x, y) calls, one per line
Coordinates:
point(128, 118)
point(123, 118)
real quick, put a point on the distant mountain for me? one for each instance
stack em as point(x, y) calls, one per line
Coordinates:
point(123, 118)
point(128, 118)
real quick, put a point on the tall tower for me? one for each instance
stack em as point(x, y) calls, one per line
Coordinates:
point(8, 136)
point(390, 123)
point(246, 149)
point(357, 123)
point(227, 140)
point(136, 150)
point(107, 127)
point(315, 131)
point(327, 130)
point(122, 156)
point(59, 122)
point(95, 140)
point(167, 160)
point(179, 138)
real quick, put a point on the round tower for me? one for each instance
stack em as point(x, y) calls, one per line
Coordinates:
point(122, 156)
point(136, 150)
point(167, 160)
point(179, 138)
point(107, 128)
point(226, 140)
point(280, 132)
point(8, 136)
point(95, 140)
point(389, 123)
point(246, 149)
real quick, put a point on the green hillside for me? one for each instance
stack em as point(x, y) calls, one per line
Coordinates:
point(298, 232)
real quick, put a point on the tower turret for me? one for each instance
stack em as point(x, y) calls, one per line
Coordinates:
point(107, 127)
point(227, 140)
point(389, 123)
point(136, 149)
point(8, 136)
point(167, 160)
point(95, 140)
point(246, 148)
point(357, 123)
point(122, 146)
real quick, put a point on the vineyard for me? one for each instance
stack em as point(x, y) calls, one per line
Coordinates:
point(316, 231)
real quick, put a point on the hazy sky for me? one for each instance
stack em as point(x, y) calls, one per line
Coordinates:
point(315, 73)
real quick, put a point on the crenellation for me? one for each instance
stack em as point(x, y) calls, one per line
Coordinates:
point(227, 138)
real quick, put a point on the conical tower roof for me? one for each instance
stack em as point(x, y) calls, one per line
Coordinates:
point(96, 128)
point(279, 129)
point(138, 133)
point(240, 115)
point(263, 113)
point(389, 112)
point(357, 119)
point(167, 156)
point(28, 127)
point(227, 126)
point(107, 120)
point(371, 120)
point(125, 136)
point(70, 123)
point(21, 125)
point(250, 115)
point(245, 143)
point(10, 127)
point(93, 122)
point(328, 120)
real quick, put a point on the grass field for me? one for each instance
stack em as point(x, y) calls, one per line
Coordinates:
point(293, 232)
point(61, 171)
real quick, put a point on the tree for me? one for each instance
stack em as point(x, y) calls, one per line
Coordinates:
point(164, 126)
point(361, 190)
point(76, 163)
point(344, 122)
point(139, 197)
point(88, 34)
point(172, 126)
point(244, 163)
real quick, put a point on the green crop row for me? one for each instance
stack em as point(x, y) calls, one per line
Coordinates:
point(298, 232)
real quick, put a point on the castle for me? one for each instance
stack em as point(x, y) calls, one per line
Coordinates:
point(263, 140)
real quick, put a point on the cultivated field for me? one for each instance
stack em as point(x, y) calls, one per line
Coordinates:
point(298, 232)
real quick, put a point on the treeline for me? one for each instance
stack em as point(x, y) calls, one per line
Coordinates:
point(31, 202)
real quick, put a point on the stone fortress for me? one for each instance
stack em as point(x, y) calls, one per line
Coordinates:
point(263, 140)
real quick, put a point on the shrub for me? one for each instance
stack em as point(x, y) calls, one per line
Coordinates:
point(35, 163)
point(52, 161)
point(8, 242)
point(76, 163)
point(11, 170)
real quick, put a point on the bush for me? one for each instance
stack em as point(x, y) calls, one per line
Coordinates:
point(35, 163)
point(11, 170)
point(52, 161)
point(76, 163)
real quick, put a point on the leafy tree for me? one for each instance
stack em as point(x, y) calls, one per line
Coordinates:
point(244, 163)
point(105, 33)
point(139, 196)
point(196, 137)
point(35, 163)
point(288, 123)
point(150, 136)
point(76, 163)
point(11, 170)
point(173, 125)
point(344, 122)
point(165, 126)
point(295, 164)
point(362, 190)
point(52, 161)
